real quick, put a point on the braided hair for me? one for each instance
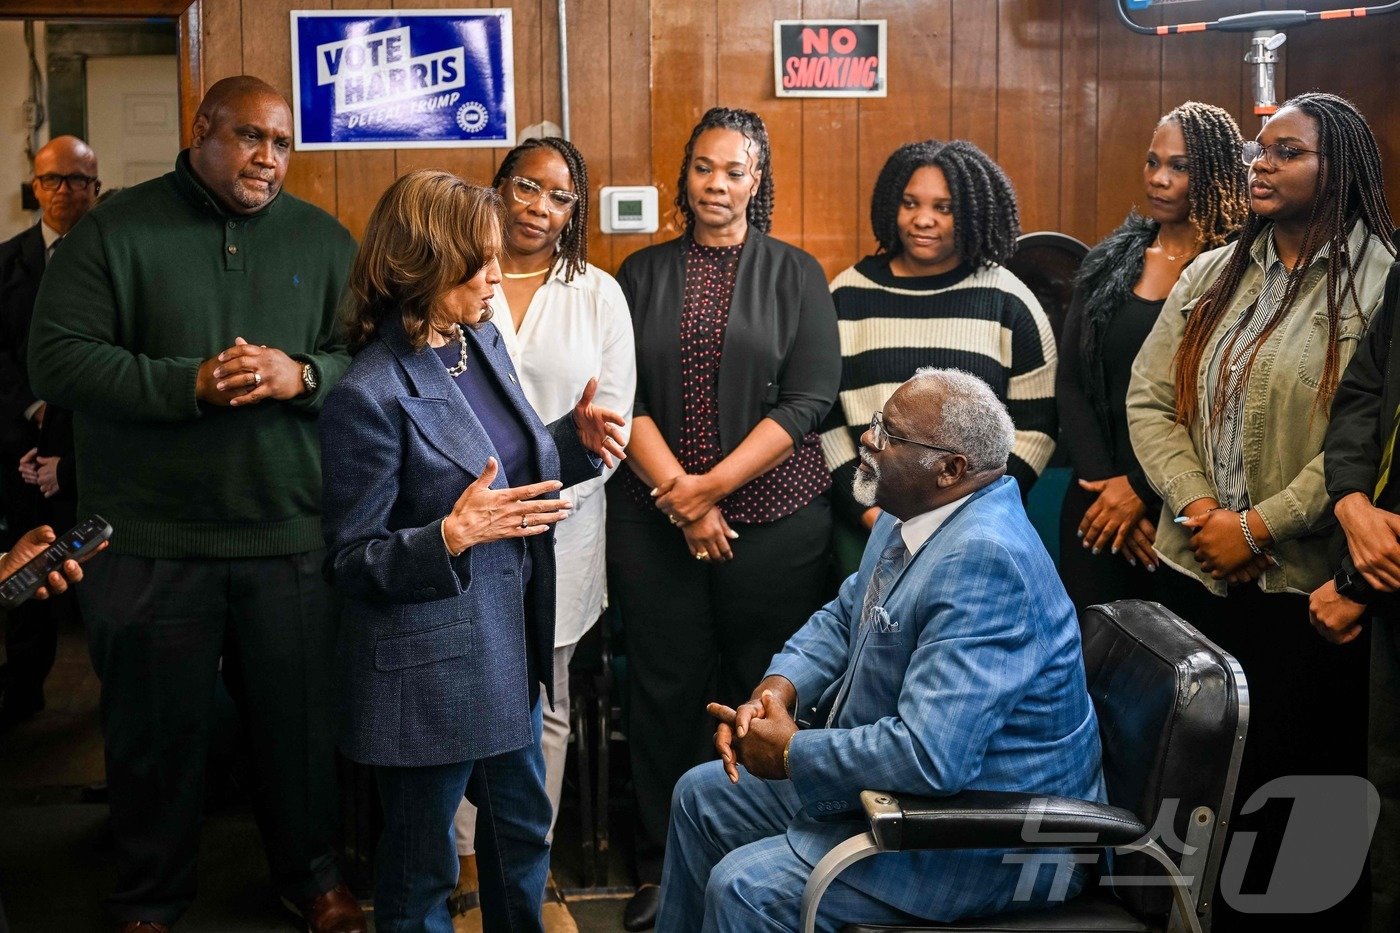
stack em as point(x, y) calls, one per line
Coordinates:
point(1217, 199)
point(1350, 188)
point(750, 124)
point(985, 218)
point(573, 239)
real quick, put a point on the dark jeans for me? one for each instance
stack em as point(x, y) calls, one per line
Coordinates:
point(157, 631)
point(416, 866)
point(699, 631)
point(1307, 715)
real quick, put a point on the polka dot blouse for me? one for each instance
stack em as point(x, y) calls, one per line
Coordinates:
point(709, 287)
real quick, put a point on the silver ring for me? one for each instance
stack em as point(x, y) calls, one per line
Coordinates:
point(524, 521)
point(257, 379)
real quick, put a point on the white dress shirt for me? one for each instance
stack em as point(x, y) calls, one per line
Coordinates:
point(921, 527)
point(572, 332)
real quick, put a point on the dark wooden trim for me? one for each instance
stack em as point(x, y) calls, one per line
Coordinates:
point(191, 55)
point(187, 12)
point(87, 9)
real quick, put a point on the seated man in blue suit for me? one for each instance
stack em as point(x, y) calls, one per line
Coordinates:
point(949, 661)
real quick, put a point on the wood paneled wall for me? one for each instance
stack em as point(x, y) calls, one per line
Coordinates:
point(1060, 93)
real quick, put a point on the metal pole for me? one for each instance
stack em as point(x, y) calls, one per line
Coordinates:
point(563, 69)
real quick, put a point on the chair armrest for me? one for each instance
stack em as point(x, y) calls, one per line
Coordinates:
point(985, 819)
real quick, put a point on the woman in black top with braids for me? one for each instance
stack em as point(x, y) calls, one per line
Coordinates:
point(718, 534)
point(1195, 196)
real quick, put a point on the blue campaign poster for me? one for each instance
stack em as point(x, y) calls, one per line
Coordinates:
point(399, 79)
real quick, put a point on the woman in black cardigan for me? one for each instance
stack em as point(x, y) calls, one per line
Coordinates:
point(718, 535)
point(1194, 184)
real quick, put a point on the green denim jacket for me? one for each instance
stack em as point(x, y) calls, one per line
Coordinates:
point(1283, 430)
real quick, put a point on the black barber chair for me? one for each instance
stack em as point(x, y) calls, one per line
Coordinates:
point(1173, 710)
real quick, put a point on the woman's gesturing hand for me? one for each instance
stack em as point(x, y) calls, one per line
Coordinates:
point(484, 514)
point(599, 429)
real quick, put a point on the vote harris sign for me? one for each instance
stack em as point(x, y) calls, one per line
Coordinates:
point(399, 79)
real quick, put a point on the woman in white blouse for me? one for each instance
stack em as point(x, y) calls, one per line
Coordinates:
point(563, 321)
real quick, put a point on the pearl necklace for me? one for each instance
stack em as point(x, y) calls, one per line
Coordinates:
point(461, 366)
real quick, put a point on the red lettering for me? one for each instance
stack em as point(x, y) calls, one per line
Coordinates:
point(815, 40)
point(844, 40)
point(790, 72)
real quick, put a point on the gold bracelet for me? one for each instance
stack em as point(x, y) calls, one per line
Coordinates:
point(787, 772)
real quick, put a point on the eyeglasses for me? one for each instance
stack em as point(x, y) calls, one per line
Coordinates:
point(77, 181)
point(881, 437)
point(1276, 155)
point(556, 200)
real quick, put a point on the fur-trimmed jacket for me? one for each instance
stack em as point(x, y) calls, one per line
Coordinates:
point(1093, 429)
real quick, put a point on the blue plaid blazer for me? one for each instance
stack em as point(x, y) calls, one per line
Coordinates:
point(432, 657)
point(972, 679)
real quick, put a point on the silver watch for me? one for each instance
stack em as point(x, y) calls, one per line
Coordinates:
point(308, 378)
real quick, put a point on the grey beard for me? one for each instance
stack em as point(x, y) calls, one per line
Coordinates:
point(865, 486)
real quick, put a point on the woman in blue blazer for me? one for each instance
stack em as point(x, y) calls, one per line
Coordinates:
point(441, 490)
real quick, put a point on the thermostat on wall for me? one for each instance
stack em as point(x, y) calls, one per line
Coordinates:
point(628, 208)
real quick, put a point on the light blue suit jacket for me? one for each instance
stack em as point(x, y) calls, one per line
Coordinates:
point(432, 649)
point(976, 683)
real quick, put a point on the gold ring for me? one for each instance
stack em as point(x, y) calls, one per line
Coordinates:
point(702, 555)
point(524, 521)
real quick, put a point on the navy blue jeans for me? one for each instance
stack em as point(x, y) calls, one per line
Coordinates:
point(417, 859)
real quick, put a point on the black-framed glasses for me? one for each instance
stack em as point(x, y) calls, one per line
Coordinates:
point(557, 200)
point(1276, 154)
point(882, 437)
point(51, 181)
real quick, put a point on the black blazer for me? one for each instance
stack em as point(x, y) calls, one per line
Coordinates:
point(21, 268)
point(781, 357)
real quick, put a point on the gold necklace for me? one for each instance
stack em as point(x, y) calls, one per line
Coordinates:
point(525, 275)
point(1159, 245)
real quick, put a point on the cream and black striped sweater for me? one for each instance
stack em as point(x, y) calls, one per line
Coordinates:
point(983, 321)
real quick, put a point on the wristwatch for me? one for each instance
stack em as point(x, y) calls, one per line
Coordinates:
point(1352, 585)
point(308, 378)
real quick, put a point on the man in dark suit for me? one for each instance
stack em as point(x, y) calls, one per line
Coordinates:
point(36, 440)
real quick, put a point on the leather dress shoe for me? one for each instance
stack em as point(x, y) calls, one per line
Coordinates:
point(334, 911)
point(143, 926)
point(640, 912)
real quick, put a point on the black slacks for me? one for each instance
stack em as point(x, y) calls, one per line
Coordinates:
point(697, 631)
point(157, 631)
point(1383, 769)
point(1091, 578)
point(1307, 715)
point(31, 630)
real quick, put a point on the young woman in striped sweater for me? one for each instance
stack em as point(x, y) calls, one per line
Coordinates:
point(935, 294)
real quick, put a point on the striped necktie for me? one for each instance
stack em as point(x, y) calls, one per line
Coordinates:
point(48, 253)
point(893, 558)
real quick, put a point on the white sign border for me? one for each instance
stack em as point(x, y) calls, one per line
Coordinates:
point(507, 62)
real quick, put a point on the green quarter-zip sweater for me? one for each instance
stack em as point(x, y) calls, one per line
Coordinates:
point(145, 288)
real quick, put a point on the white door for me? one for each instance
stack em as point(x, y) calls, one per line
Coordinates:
point(133, 116)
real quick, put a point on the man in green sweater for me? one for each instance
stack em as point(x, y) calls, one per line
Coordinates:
point(189, 323)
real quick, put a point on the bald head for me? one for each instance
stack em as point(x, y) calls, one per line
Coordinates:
point(231, 92)
point(65, 181)
point(242, 141)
